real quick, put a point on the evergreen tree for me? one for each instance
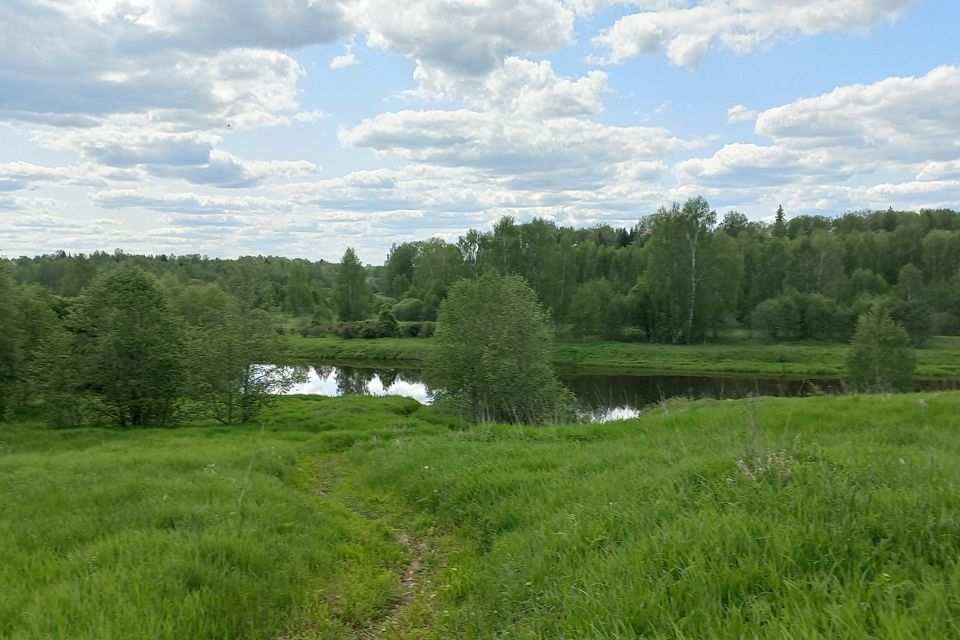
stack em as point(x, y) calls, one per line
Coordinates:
point(779, 223)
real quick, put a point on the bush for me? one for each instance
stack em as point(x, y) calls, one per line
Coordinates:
point(408, 309)
point(491, 353)
point(880, 358)
point(945, 324)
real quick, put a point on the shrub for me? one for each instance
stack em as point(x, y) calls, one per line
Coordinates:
point(880, 358)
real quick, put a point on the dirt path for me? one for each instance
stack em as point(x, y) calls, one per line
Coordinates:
point(411, 583)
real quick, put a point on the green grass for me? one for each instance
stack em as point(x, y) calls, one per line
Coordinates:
point(827, 517)
point(939, 359)
point(201, 532)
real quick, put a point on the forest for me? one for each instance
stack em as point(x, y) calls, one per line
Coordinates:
point(680, 275)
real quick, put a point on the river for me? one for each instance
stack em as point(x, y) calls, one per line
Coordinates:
point(603, 396)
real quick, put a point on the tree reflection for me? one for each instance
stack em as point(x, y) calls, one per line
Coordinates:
point(387, 377)
point(351, 381)
point(323, 371)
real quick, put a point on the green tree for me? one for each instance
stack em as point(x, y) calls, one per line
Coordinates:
point(299, 298)
point(437, 266)
point(779, 318)
point(351, 294)
point(408, 309)
point(387, 322)
point(398, 269)
point(880, 358)
point(815, 264)
point(597, 310)
point(910, 307)
point(10, 352)
point(129, 347)
point(225, 352)
point(692, 275)
point(79, 274)
point(779, 229)
point(491, 353)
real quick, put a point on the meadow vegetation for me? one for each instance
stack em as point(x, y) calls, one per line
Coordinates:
point(375, 517)
point(939, 358)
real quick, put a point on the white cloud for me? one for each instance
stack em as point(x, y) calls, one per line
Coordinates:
point(740, 113)
point(519, 86)
point(935, 171)
point(903, 126)
point(685, 33)
point(206, 58)
point(755, 165)
point(29, 175)
point(348, 59)
point(559, 150)
point(897, 120)
point(344, 61)
point(193, 203)
point(467, 38)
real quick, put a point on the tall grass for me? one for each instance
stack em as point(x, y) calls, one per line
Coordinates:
point(776, 518)
point(203, 532)
point(651, 528)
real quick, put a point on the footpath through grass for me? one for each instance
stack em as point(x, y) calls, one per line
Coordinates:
point(372, 517)
point(940, 358)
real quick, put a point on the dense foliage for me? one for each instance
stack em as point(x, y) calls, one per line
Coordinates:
point(133, 350)
point(880, 358)
point(681, 274)
point(491, 353)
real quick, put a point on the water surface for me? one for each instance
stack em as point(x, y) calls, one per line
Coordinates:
point(603, 397)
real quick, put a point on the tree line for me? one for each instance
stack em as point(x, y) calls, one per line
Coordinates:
point(680, 275)
point(134, 351)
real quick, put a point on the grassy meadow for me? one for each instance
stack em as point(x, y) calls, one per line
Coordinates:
point(358, 517)
point(940, 358)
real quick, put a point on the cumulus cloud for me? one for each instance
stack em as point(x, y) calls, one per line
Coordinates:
point(901, 119)
point(117, 56)
point(193, 203)
point(519, 86)
point(29, 175)
point(740, 113)
point(685, 33)
point(465, 38)
point(755, 165)
point(825, 151)
point(343, 61)
point(571, 149)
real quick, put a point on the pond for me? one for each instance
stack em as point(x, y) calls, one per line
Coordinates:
point(603, 396)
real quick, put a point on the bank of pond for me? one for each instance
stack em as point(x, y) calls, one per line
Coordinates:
point(601, 396)
point(939, 358)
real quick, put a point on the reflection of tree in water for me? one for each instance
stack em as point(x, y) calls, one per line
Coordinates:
point(323, 371)
point(387, 377)
point(353, 381)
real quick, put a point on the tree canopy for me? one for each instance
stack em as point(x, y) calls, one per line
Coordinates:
point(492, 353)
point(880, 358)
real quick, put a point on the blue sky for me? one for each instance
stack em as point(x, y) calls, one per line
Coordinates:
point(302, 127)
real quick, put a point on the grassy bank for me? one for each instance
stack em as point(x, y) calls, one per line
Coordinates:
point(371, 517)
point(939, 359)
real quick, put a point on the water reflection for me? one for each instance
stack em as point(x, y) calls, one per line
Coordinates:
point(602, 397)
point(339, 381)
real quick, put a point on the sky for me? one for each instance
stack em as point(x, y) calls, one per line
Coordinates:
point(302, 127)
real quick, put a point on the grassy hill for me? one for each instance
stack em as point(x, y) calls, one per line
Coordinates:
point(373, 517)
